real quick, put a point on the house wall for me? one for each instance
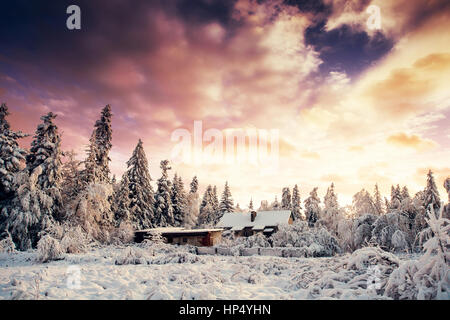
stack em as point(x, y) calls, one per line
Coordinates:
point(210, 239)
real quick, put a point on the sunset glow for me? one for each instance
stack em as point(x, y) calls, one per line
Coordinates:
point(353, 105)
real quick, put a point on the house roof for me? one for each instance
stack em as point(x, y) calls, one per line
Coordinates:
point(238, 221)
point(178, 231)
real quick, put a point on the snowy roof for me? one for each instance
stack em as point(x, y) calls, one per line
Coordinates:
point(187, 231)
point(162, 229)
point(239, 221)
point(178, 230)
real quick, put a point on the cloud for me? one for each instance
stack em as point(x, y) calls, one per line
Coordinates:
point(411, 141)
point(310, 155)
point(406, 91)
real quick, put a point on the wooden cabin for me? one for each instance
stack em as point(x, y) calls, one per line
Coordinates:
point(250, 223)
point(180, 236)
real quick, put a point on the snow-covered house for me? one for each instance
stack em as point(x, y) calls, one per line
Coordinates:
point(181, 236)
point(249, 223)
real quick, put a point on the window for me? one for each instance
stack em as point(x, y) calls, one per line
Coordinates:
point(184, 240)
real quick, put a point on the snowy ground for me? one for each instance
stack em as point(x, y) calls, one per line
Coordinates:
point(176, 273)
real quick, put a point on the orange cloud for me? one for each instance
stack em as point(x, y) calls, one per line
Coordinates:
point(405, 90)
point(410, 141)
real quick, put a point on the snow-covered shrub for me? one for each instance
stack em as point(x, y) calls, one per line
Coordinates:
point(399, 242)
point(7, 245)
point(74, 240)
point(174, 257)
point(317, 242)
point(386, 226)
point(257, 240)
point(92, 211)
point(363, 227)
point(371, 256)
point(131, 255)
point(49, 249)
point(123, 234)
point(345, 234)
point(429, 277)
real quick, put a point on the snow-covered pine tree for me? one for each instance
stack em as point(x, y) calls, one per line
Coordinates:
point(71, 184)
point(396, 198)
point(44, 159)
point(286, 199)
point(92, 209)
point(312, 208)
point(192, 205)
point(377, 201)
point(207, 215)
point(215, 201)
point(103, 137)
point(207, 197)
point(275, 205)
point(264, 206)
point(363, 204)
point(250, 205)
point(11, 156)
point(141, 195)
point(121, 201)
point(163, 203)
point(446, 213)
point(407, 206)
point(431, 194)
point(387, 205)
point(97, 162)
point(331, 212)
point(38, 201)
point(179, 200)
point(226, 202)
point(296, 204)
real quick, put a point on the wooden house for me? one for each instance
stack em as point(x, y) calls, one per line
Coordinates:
point(181, 236)
point(249, 223)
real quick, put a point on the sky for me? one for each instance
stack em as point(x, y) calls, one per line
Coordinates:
point(352, 104)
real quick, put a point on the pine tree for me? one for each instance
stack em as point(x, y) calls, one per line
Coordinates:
point(363, 204)
point(286, 199)
point(38, 201)
point(121, 201)
point(264, 206)
point(163, 203)
point(207, 215)
point(250, 205)
point(192, 207)
point(387, 205)
point(275, 205)
point(97, 162)
point(296, 204)
point(312, 208)
point(215, 201)
point(140, 191)
point(396, 198)
point(11, 156)
point(70, 177)
point(92, 209)
point(331, 213)
point(446, 212)
point(178, 200)
point(431, 196)
point(226, 202)
point(377, 201)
